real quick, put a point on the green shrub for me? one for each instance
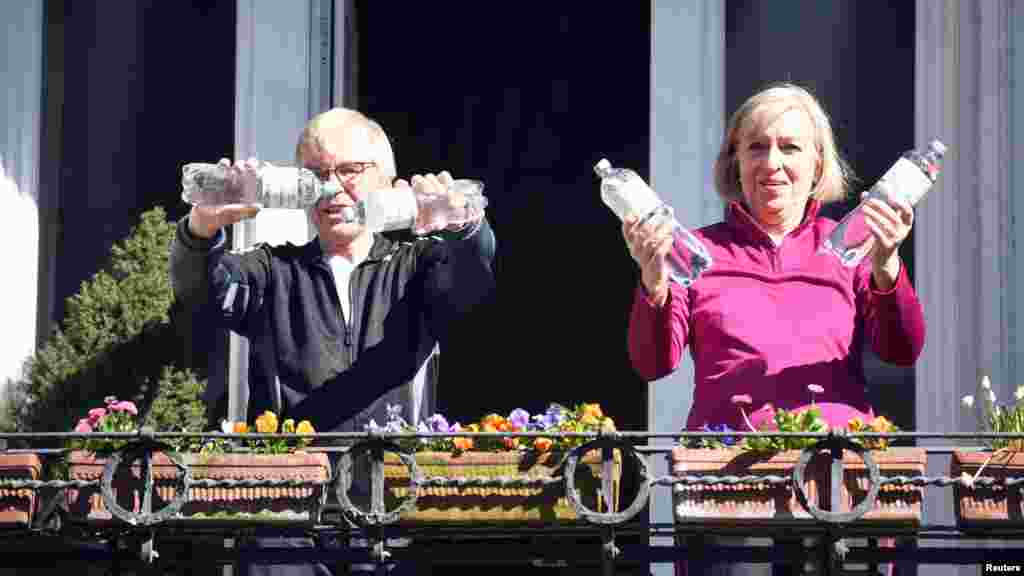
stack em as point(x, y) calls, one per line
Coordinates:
point(116, 339)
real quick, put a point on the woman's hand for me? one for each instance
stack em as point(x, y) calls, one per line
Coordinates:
point(649, 247)
point(890, 224)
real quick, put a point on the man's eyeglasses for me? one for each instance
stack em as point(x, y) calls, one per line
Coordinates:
point(345, 172)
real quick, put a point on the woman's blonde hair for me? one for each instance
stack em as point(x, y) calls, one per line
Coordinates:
point(323, 127)
point(834, 176)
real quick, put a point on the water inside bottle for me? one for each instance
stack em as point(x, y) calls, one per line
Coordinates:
point(851, 240)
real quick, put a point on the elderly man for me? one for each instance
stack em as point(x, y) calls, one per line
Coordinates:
point(336, 326)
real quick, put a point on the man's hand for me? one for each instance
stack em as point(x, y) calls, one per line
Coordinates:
point(205, 221)
point(649, 247)
point(440, 204)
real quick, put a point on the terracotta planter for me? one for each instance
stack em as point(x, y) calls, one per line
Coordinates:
point(776, 505)
point(495, 504)
point(18, 506)
point(896, 505)
point(739, 504)
point(993, 507)
point(262, 504)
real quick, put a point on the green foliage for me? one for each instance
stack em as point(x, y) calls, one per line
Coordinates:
point(116, 339)
point(995, 417)
point(806, 421)
point(175, 407)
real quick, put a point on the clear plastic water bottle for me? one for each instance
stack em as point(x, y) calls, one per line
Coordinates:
point(626, 193)
point(402, 208)
point(909, 179)
point(271, 185)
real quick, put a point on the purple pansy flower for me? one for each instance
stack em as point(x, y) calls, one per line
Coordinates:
point(520, 418)
point(438, 423)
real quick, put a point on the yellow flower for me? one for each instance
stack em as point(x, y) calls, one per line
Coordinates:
point(855, 425)
point(589, 420)
point(266, 423)
point(880, 424)
point(593, 410)
point(305, 428)
point(288, 426)
point(240, 428)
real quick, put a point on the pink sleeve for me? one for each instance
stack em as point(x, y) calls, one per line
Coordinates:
point(894, 320)
point(657, 336)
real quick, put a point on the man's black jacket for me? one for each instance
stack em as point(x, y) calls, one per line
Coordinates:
point(306, 360)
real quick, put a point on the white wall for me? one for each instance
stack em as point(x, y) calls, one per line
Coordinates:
point(20, 103)
point(687, 120)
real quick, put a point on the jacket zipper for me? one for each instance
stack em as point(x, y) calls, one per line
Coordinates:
point(350, 322)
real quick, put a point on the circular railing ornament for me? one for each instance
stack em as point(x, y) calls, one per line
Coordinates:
point(343, 473)
point(140, 451)
point(874, 479)
point(572, 493)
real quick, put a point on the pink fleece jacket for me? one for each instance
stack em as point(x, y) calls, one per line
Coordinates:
point(769, 320)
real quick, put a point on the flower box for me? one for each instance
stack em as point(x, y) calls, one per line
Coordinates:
point(299, 504)
point(744, 505)
point(982, 507)
point(738, 504)
point(17, 506)
point(896, 504)
point(495, 504)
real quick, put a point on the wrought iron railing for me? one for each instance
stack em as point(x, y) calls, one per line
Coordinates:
point(832, 528)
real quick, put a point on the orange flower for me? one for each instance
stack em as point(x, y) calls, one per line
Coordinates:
point(493, 420)
point(463, 443)
point(542, 444)
point(593, 410)
point(240, 428)
point(510, 443)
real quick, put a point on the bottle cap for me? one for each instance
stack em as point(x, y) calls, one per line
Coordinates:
point(328, 189)
point(602, 167)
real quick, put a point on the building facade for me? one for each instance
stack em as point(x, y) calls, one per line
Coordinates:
point(96, 101)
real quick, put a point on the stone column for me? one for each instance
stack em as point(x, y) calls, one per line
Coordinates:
point(964, 228)
point(687, 120)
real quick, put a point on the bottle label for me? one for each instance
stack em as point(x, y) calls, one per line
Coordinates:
point(903, 180)
point(390, 209)
point(630, 196)
point(280, 187)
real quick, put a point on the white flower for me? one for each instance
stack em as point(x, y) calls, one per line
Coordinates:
point(968, 401)
point(1019, 394)
point(227, 426)
point(966, 479)
point(986, 384)
point(991, 397)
